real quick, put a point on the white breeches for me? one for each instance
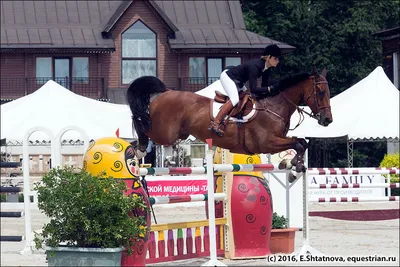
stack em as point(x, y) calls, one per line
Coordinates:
point(230, 88)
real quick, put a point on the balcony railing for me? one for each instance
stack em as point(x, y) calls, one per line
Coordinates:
point(194, 84)
point(13, 88)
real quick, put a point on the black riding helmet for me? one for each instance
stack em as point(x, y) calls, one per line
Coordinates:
point(272, 50)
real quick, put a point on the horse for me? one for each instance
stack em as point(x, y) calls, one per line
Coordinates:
point(165, 116)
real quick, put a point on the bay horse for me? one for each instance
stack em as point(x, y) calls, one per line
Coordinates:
point(166, 116)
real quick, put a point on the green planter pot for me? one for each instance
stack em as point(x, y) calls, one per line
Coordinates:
point(75, 256)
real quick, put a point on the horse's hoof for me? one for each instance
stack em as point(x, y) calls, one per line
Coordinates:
point(141, 154)
point(300, 168)
point(293, 161)
point(285, 164)
point(292, 177)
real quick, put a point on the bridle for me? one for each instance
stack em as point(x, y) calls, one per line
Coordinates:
point(313, 115)
point(316, 116)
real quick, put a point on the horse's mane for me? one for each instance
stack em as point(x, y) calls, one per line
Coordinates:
point(292, 80)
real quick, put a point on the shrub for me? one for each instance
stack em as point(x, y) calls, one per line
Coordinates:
point(21, 198)
point(279, 222)
point(391, 161)
point(88, 211)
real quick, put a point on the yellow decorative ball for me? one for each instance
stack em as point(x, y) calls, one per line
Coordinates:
point(114, 156)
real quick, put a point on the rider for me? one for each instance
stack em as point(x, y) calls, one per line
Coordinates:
point(233, 80)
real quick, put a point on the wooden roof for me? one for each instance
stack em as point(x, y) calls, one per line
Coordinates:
point(212, 25)
point(85, 24)
point(55, 24)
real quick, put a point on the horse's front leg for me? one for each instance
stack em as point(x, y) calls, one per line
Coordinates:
point(299, 145)
point(298, 160)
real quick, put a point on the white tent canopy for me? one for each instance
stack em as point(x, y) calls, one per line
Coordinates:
point(367, 110)
point(55, 107)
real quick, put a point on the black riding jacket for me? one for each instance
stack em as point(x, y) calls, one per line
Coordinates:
point(250, 71)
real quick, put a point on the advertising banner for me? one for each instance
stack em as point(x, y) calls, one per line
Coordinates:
point(176, 185)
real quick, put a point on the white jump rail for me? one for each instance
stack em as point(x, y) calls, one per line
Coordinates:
point(307, 248)
point(338, 186)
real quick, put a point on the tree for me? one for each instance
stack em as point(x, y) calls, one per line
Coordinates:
point(332, 34)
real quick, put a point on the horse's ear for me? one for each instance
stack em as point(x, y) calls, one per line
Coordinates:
point(324, 71)
point(315, 71)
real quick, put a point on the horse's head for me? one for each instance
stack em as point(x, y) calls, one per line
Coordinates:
point(317, 97)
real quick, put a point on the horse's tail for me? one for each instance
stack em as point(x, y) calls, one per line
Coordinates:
point(138, 96)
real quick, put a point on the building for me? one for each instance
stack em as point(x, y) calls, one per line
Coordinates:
point(96, 48)
point(391, 53)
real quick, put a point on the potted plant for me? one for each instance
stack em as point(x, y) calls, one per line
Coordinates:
point(282, 236)
point(90, 218)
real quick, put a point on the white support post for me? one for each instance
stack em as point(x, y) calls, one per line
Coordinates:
point(306, 248)
point(27, 199)
point(211, 209)
point(287, 191)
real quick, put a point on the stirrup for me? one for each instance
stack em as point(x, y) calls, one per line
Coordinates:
point(218, 130)
point(212, 126)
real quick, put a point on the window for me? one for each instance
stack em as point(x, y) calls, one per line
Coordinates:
point(62, 71)
point(197, 151)
point(59, 69)
point(214, 69)
point(232, 61)
point(43, 70)
point(139, 52)
point(197, 70)
point(80, 69)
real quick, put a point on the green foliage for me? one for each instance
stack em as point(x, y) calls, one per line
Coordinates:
point(21, 198)
point(3, 197)
point(332, 34)
point(390, 161)
point(337, 35)
point(88, 211)
point(279, 222)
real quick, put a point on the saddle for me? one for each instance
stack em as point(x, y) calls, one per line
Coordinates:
point(243, 108)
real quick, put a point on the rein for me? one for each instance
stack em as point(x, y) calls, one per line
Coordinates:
point(301, 110)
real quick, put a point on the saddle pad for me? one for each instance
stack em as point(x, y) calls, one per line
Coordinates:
point(217, 106)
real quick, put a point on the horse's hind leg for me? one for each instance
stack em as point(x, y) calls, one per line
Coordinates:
point(142, 146)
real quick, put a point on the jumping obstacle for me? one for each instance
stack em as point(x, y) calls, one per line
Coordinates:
point(249, 209)
point(11, 214)
point(224, 241)
point(354, 199)
point(353, 171)
point(57, 162)
point(336, 186)
point(185, 198)
point(358, 215)
point(10, 189)
point(319, 171)
point(174, 237)
point(217, 168)
point(307, 248)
